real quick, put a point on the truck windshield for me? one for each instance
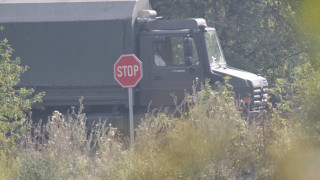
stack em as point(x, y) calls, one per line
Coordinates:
point(215, 54)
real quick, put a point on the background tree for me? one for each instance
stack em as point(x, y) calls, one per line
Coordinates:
point(309, 26)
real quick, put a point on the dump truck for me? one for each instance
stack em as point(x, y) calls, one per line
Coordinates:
point(71, 46)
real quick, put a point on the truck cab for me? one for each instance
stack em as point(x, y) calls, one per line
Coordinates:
point(177, 52)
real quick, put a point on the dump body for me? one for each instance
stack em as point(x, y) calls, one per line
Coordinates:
point(70, 46)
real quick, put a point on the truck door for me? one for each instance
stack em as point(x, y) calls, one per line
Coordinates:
point(175, 67)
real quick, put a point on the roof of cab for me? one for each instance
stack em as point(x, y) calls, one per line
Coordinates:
point(69, 10)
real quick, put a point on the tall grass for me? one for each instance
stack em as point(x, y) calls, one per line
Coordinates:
point(63, 148)
point(210, 141)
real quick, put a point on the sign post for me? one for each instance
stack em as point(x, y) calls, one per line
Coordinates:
point(131, 116)
point(128, 72)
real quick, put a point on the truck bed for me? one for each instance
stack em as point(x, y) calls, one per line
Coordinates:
point(71, 46)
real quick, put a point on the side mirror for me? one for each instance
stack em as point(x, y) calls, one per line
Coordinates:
point(187, 49)
point(187, 46)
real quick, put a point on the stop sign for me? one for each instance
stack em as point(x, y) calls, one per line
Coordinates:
point(128, 70)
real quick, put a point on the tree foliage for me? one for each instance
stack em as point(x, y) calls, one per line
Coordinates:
point(309, 25)
point(14, 102)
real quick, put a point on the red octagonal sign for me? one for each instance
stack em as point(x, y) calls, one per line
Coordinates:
point(128, 70)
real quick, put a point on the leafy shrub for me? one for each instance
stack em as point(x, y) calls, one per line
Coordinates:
point(14, 102)
point(298, 138)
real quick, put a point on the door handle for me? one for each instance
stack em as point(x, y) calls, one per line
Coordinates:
point(157, 78)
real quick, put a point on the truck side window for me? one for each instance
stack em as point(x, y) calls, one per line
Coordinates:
point(175, 51)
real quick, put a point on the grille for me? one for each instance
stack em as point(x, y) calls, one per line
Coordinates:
point(260, 97)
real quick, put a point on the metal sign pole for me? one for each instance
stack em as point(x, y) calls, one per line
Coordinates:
point(131, 116)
